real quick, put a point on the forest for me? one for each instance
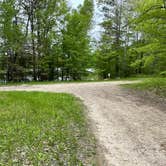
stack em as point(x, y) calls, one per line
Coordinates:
point(47, 40)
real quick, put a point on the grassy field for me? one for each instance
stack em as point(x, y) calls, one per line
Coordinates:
point(155, 85)
point(43, 129)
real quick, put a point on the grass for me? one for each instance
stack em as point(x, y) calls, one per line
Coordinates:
point(132, 78)
point(155, 85)
point(43, 129)
point(47, 82)
point(60, 82)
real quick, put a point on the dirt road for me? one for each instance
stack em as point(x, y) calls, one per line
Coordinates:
point(129, 130)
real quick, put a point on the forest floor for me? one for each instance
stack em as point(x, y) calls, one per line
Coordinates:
point(129, 127)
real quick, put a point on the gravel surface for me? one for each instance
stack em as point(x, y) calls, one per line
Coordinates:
point(129, 130)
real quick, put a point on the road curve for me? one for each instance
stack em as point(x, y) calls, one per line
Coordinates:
point(130, 132)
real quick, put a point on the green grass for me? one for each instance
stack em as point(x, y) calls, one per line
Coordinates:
point(133, 78)
point(156, 85)
point(60, 82)
point(50, 82)
point(43, 129)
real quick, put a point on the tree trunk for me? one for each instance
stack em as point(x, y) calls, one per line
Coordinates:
point(33, 43)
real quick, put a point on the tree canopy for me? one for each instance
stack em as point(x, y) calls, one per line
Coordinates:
point(48, 40)
point(44, 40)
point(133, 41)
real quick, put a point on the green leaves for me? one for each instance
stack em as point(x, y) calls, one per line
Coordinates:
point(151, 24)
point(76, 43)
point(44, 38)
point(134, 34)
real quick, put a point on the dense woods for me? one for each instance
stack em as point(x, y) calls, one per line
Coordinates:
point(133, 38)
point(47, 40)
point(43, 40)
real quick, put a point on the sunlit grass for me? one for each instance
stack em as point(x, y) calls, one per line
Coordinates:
point(156, 85)
point(43, 129)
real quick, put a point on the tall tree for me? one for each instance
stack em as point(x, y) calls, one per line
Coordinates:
point(111, 50)
point(76, 42)
point(30, 33)
point(150, 24)
point(133, 39)
point(11, 41)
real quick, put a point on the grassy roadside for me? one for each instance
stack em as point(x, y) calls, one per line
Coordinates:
point(66, 82)
point(155, 85)
point(43, 129)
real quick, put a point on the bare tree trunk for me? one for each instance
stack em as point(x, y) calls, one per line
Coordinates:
point(117, 42)
point(38, 47)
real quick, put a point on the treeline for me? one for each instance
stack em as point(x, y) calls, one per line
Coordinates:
point(44, 40)
point(133, 39)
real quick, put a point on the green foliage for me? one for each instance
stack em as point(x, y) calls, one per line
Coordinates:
point(76, 48)
point(150, 23)
point(133, 41)
point(12, 40)
point(43, 129)
point(163, 74)
point(44, 40)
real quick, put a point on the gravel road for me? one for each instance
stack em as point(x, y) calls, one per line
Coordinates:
point(129, 130)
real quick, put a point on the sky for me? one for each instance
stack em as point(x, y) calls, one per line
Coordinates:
point(96, 29)
point(75, 3)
